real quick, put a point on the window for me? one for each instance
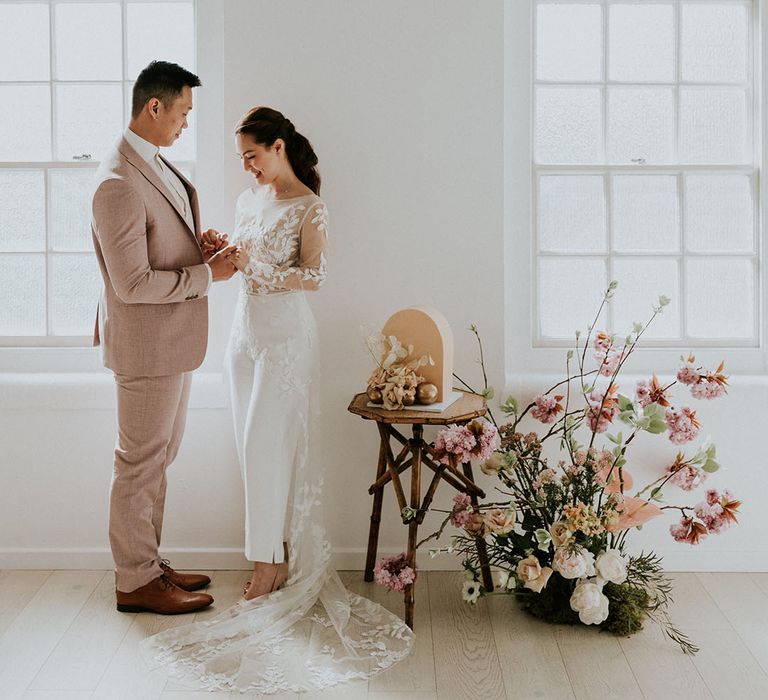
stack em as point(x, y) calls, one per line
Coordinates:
point(66, 72)
point(645, 168)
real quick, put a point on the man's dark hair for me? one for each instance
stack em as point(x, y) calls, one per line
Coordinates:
point(162, 80)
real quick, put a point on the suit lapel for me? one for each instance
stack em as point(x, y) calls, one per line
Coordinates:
point(191, 193)
point(146, 170)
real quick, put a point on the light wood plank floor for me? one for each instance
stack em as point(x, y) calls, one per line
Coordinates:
point(61, 639)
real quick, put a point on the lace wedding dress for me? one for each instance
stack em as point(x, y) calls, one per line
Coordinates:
point(313, 633)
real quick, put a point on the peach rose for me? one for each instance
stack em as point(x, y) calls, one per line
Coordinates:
point(561, 533)
point(532, 574)
point(500, 522)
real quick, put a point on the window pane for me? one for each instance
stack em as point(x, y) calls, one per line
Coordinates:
point(641, 281)
point(570, 290)
point(641, 125)
point(568, 125)
point(645, 214)
point(75, 288)
point(641, 43)
point(24, 42)
point(569, 42)
point(720, 297)
point(718, 213)
point(22, 289)
point(22, 210)
point(28, 138)
point(71, 192)
point(714, 43)
point(713, 125)
point(89, 119)
point(81, 52)
point(572, 214)
point(160, 31)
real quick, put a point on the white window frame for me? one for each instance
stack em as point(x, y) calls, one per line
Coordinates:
point(12, 347)
point(525, 351)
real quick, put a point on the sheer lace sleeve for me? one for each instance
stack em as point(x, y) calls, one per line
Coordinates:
point(309, 271)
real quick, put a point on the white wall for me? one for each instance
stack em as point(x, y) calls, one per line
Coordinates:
point(404, 103)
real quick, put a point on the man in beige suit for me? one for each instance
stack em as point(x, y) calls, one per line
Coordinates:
point(152, 325)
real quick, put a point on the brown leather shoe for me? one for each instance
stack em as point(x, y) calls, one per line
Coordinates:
point(187, 582)
point(162, 597)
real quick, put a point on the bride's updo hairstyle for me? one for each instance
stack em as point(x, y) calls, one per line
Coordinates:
point(265, 125)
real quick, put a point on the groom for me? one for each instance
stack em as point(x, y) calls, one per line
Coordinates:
point(152, 324)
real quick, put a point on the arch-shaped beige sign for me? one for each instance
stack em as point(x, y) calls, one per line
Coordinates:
point(430, 334)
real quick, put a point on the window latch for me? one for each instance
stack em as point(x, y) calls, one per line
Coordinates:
point(84, 156)
point(637, 161)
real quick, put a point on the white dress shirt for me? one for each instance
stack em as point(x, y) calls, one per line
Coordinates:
point(151, 154)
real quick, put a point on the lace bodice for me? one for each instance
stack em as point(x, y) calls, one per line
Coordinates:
point(285, 241)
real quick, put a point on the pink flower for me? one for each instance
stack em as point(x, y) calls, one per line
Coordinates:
point(455, 440)
point(545, 476)
point(602, 341)
point(707, 389)
point(600, 418)
point(712, 516)
point(643, 393)
point(487, 440)
point(686, 476)
point(546, 408)
point(478, 440)
point(608, 361)
point(394, 573)
point(688, 530)
point(723, 503)
point(682, 424)
point(462, 513)
point(688, 374)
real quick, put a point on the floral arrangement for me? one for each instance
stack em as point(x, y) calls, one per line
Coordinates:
point(394, 572)
point(559, 540)
point(395, 380)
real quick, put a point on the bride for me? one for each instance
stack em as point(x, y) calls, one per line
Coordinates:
point(296, 628)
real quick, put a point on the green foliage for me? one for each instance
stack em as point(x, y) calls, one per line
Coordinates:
point(552, 604)
point(628, 608)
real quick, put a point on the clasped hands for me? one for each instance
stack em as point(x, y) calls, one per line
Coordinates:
point(223, 258)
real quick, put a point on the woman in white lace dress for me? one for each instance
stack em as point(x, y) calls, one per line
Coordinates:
point(297, 628)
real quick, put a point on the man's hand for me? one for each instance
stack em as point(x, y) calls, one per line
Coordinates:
point(212, 243)
point(221, 264)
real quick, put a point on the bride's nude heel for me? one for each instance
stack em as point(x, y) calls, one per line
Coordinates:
point(280, 577)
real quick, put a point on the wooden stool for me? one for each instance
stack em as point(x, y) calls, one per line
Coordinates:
point(414, 453)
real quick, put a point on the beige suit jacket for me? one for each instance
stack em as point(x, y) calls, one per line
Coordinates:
point(153, 313)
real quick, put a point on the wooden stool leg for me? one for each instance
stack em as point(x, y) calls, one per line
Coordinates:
point(413, 525)
point(373, 531)
point(482, 551)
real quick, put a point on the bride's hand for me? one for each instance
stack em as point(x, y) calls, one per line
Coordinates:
point(239, 259)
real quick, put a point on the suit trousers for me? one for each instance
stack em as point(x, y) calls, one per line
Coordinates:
point(151, 414)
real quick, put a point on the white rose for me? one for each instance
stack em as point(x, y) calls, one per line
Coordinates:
point(577, 563)
point(492, 466)
point(610, 566)
point(588, 600)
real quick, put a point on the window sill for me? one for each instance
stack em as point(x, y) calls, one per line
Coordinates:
point(92, 391)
